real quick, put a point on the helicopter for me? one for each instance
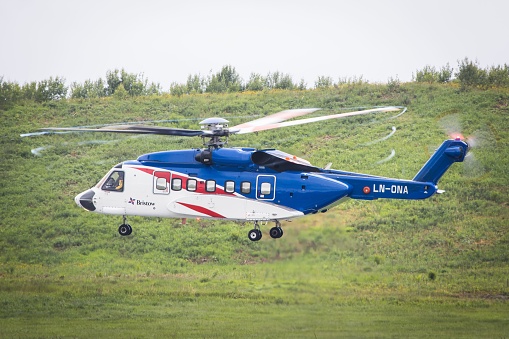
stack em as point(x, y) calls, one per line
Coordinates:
point(245, 184)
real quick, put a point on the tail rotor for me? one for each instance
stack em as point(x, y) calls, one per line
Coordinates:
point(478, 142)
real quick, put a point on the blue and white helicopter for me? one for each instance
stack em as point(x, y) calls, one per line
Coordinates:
point(245, 184)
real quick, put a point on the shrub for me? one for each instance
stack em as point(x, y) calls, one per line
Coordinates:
point(470, 74)
point(256, 82)
point(428, 74)
point(324, 82)
point(445, 74)
point(498, 76)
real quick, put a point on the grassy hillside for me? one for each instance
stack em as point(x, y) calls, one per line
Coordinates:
point(383, 268)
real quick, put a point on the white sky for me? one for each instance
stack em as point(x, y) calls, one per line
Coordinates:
point(169, 40)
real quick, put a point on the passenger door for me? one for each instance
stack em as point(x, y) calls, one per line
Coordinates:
point(266, 187)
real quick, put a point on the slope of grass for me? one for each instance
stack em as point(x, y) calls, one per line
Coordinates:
point(384, 268)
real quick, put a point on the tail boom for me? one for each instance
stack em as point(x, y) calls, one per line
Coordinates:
point(422, 186)
point(371, 188)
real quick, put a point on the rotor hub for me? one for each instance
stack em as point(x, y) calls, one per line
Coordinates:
point(216, 128)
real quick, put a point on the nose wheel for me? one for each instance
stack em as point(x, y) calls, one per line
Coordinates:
point(125, 229)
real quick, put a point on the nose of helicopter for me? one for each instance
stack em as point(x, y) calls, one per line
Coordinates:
point(85, 200)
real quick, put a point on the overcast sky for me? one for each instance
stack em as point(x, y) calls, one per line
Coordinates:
point(169, 40)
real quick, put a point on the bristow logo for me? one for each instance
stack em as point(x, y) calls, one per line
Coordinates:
point(140, 202)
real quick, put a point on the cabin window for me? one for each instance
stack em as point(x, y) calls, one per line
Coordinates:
point(210, 186)
point(161, 184)
point(191, 185)
point(265, 188)
point(115, 182)
point(229, 186)
point(176, 184)
point(245, 187)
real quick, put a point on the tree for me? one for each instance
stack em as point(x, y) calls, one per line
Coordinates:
point(226, 80)
point(153, 89)
point(120, 92)
point(302, 85)
point(29, 90)
point(215, 85)
point(445, 74)
point(10, 92)
point(195, 84)
point(428, 74)
point(498, 76)
point(113, 80)
point(51, 89)
point(89, 89)
point(177, 89)
point(278, 80)
point(256, 82)
point(230, 78)
point(324, 82)
point(470, 74)
point(285, 82)
point(134, 84)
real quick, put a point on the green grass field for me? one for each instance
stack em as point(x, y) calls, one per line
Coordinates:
point(433, 268)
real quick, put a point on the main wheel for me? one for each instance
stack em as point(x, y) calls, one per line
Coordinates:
point(254, 235)
point(125, 229)
point(276, 232)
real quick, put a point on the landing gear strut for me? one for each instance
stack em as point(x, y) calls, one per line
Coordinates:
point(125, 228)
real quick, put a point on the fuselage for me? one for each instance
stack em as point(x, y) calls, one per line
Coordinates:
point(235, 184)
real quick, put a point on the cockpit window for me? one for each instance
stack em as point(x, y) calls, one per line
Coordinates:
point(115, 182)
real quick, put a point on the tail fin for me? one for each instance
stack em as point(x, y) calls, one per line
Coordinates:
point(449, 152)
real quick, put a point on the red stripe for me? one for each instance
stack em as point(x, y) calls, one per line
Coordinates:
point(202, 210)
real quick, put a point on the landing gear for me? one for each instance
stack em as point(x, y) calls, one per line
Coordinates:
point(125, 228)
point(275, 232)
point(255, 234)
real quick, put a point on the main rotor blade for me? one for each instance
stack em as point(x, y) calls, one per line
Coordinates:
point(275, 118)
point(309, 120)
point(133, 130)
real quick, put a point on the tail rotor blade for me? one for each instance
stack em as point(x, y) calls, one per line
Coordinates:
point(477, 141)
point(472, 167)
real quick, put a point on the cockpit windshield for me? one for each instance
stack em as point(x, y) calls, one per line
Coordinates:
point(115, 182)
